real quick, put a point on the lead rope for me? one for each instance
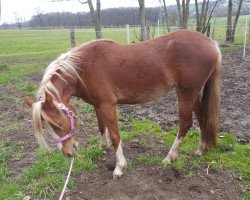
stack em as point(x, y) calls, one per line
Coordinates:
point(67, 179)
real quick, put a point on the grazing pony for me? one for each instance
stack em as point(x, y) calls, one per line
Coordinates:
point(104, 74)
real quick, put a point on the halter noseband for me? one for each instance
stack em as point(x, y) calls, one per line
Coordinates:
point(71, 116)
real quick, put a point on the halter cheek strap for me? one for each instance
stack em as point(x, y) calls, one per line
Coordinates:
point(71, 116)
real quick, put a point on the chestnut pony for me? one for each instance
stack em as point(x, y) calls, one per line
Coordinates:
point(104, 74)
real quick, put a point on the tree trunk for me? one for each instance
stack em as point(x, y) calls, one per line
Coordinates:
point(183, 13)
point(166, 15)
point(179, 13)
point(204, 22)
point(236, 18)
point(142, 20)
point(229, 31)
point(95, 16)
point(197, 16)
point(203, 18)
point(186, 15)
point(96, 20)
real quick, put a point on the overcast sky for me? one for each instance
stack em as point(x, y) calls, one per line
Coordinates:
point(26, 8)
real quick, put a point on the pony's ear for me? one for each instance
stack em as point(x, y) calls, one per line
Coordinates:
point(29, 101)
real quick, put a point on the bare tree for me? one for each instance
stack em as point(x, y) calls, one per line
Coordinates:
point(39, 15)
point(95, 16)
point(183, 12)
point(231, 25)
point(18, 20)
point(94, 13)
point(204, 16)
point(163, 4)
point(142, 19)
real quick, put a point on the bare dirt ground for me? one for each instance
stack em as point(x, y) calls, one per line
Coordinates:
point(145, 182)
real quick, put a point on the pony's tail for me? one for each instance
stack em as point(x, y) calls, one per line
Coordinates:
point(210, 106)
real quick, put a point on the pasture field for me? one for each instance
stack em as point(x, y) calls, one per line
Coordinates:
point(26, 171)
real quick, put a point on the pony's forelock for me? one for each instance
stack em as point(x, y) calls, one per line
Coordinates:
point(38, 126)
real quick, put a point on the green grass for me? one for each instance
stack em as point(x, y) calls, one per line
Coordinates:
point(45, 178)
point(11, 127)
point(86, 108)
point(138, 127)
point(28, 88)
point(156, 160)
point(3, 66)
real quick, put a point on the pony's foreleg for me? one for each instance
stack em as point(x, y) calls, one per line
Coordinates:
point(185, 122)
point(105, 141)
point(108, 113)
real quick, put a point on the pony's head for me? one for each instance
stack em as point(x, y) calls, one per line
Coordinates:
point(59, 119)
point(48, 110)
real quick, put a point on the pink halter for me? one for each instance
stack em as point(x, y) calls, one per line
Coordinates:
point(71, 116)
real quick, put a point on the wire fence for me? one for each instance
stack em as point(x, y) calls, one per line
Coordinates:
point(40, 37)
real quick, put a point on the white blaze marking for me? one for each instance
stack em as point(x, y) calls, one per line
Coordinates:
point(55, 136)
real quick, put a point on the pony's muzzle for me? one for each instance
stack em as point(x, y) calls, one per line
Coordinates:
point(69, 155)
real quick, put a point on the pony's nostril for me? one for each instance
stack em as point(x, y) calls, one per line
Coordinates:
point(68, 155)
point(74, 146)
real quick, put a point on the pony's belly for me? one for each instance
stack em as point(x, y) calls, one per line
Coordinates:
point(141, 97)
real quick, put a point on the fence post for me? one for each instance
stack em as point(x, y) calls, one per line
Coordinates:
point(147, 30)
point(245, 41)
point(128, 33)
point(158, 27)
point(248, 33)
point(72, 37)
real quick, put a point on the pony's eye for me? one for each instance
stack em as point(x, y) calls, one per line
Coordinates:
point(59, 125)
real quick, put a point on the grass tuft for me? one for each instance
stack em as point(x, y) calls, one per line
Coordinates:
point(3, 66)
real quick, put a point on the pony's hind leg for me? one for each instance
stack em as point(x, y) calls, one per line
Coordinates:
point(105, 141)
point(108, 113)
point(198, 112)
point(186, 102)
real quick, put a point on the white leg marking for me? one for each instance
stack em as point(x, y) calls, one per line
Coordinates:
point(173, 153)
point(121, 163)
point(201, 148)
point(105, 141)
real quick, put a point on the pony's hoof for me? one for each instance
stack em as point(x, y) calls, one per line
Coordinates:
point(170, 158)
point(119, 171)
point(198, 152)
point(117, 176)
point(166, 161)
